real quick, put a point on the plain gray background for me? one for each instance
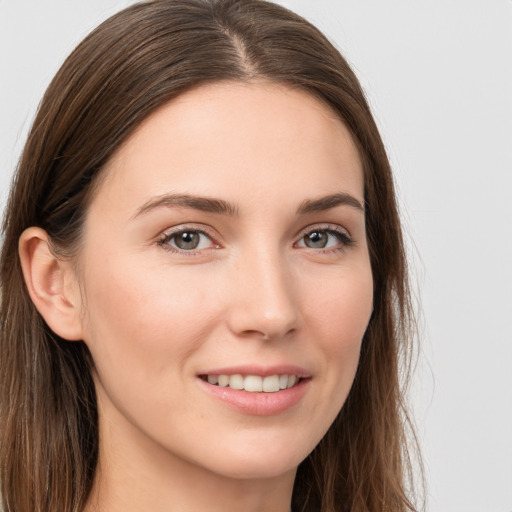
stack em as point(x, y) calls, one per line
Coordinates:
point(438, 75)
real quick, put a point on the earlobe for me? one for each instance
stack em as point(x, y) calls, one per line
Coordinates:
point(51, 284)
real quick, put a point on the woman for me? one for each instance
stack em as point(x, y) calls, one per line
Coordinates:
point(204, 292)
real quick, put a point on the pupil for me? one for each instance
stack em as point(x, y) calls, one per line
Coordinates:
point(317, 239)
point(187, 240)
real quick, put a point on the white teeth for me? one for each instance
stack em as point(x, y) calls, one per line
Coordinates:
point(213, 379)
point(291, 381)
point(271, 384)
point(236, 382)
point(254, 383)
point(223, 380)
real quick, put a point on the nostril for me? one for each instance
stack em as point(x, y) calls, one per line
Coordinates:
point(266, 336)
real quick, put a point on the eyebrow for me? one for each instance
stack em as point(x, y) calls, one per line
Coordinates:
point(204, 204)
point(221, 207)
point(329, 202)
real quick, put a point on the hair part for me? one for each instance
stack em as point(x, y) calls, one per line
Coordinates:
point(132, 64)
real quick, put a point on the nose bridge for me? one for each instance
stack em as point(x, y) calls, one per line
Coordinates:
point(265, 301)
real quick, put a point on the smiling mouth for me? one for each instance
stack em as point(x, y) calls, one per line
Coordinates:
point(253, 383)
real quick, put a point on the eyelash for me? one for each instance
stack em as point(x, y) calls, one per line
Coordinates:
point(344, 239)
point(341, 235)
point(167, 237)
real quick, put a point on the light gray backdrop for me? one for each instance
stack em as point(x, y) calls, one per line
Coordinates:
point(438, 75)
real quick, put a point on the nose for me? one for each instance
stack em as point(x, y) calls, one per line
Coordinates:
point(264, 302)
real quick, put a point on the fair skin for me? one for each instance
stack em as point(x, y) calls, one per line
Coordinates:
point(271, 278)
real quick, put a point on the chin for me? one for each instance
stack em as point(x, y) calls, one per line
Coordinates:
point(257, 470)
point(260, 464)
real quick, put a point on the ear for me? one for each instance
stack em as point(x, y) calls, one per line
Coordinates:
point(51, 284)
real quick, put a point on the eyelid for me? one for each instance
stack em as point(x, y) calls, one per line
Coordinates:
point(345, 238)
point(324, 227)
point(167, 235)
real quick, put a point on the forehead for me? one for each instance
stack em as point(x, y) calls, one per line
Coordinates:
point(222, 138)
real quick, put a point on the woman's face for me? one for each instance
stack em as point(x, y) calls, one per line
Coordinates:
point(226, 244)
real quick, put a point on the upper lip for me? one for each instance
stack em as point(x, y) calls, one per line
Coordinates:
point(263, 371)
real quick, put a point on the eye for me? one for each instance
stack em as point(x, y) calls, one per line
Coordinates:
point(325, 238)
point(187, 240)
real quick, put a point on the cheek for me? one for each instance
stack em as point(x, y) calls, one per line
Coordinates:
point(341, 314)
point(143, 328)
point(343, 306)
point(140, 319)
point(338, 313)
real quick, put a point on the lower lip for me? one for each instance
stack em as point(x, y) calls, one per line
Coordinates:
point(258, 404)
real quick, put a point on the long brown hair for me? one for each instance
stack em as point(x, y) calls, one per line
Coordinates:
point(130, 65)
